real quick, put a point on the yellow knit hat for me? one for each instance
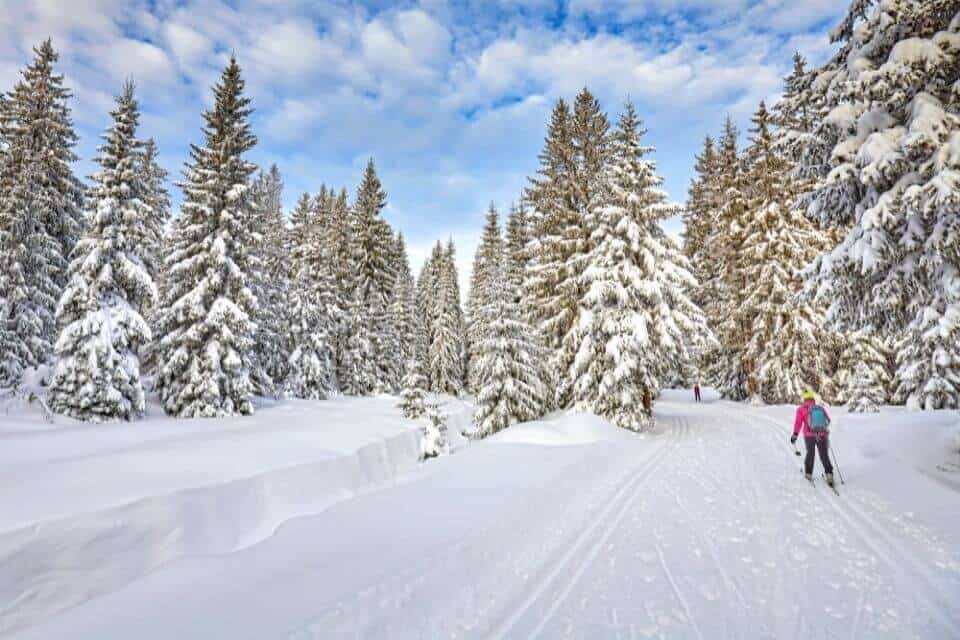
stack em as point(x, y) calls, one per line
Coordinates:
point(808, 395)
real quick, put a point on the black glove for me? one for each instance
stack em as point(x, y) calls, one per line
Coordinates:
point(793, 439)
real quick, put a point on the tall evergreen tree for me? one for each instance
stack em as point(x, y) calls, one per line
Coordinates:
point(447, 346)
point(314, 307)
point(728, 288)
point(428, 299)
point(889, 173)
point(867, 349)
point(783, 354)
point(206, 327)
point(270, 283)
point(486, 265)
point(574, 155)
point(97, 374)
point(405, 303)
point(157, 199)
point(340, 231)
point(375, 278)
point(509, 362)
point(40, 220)
point(639, 322)
point(700, 223)
point(517, 252)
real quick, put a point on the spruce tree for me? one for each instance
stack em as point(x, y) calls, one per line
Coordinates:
point(700, 223)
point(40, 219)
point(639, 322)
point(864, 391)
point(357, 371)
point(314, 312)
point(862, 348)
point(412, 397)
point(728, 288)
point(97, 373)
point(427, 299)
point(509, 363)
point(559, 237)
point(783, 355)
point(405, 303)
point(886, 174)
point(433, 440)
point(157, 199)
point(447, 345)
point(486, 264)
point(375, 279)
point(206, 332)
point(517, 252)
point(270, 283)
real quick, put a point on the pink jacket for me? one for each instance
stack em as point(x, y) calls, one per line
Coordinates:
point(802, 419)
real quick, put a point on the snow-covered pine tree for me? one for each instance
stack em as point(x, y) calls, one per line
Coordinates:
point(486, 263)
point(447, 346)
point(783, 355)
point(356, 369)
point(450, 264)
point(427, 298)
point(157, 199)
point(869, 350)
point(270, 283)
point(375, 279)
point(700, 221)
point(40, 219)
point(574, 155)
point(517, 256)
point(206, 329)
point(433, 441)
point(314, 312)
point(795, 115)
point(893, 176)
point(509, 362)
point(340, 230)
point(405, 302)
point(413, 395)
point(865, 393)
point(728, 290)
point(97, 373)
point(638, 321)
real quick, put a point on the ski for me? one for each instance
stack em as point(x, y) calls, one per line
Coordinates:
point(832, 488)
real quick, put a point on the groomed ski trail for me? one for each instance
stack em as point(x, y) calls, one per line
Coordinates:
point(591, 540)
point(702, 529)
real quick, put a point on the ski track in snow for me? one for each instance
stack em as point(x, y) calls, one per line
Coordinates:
point(702, 529)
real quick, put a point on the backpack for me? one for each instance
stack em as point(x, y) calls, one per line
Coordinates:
point(817, 419)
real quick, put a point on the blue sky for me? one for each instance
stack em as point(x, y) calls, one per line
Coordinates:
point(450, 97)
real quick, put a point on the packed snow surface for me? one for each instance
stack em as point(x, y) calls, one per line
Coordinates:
point(314, 520)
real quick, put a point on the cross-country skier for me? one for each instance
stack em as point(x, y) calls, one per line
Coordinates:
point(696, 391)
point(814, 421)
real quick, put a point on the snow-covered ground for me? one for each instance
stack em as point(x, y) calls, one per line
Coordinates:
point(314, 520)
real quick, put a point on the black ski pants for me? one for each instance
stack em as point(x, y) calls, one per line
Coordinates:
point(821, 445)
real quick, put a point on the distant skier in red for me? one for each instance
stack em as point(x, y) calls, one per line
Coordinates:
point(696, 391)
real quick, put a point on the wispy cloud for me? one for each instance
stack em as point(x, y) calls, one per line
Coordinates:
point(451, 97)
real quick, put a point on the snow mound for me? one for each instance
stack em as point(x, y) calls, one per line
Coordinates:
point(561, 430)
point(87, 509)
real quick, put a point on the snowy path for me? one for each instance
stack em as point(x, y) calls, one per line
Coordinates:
point(703, 530)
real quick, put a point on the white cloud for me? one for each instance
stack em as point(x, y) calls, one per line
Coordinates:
point(187, 45)
point(452, 98)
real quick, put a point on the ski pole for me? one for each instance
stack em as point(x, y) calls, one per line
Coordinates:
point(836, 463)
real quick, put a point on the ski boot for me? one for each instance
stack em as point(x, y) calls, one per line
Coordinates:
point(808, 476)
point(829, 478)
